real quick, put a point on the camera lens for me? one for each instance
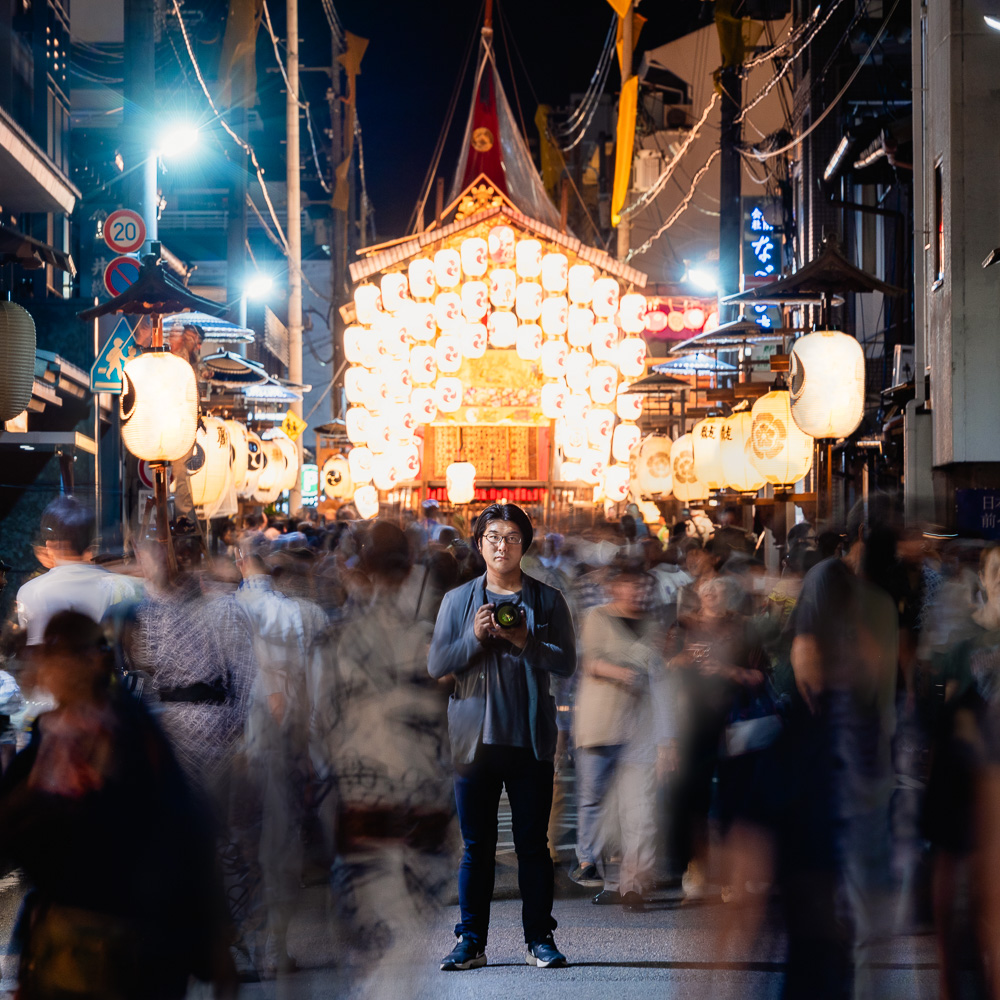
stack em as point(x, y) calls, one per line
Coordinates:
point(507, 615)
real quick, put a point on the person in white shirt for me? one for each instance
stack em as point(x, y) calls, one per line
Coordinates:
point(73, 582)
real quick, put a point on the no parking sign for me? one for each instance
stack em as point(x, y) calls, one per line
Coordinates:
point(120, 273)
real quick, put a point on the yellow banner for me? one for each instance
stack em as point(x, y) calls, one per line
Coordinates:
point(350, 59)
point(623, 146)
point(551, 154)
point(620, 7)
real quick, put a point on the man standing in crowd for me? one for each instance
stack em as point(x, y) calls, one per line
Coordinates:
point(502, 636)
point(73, 582)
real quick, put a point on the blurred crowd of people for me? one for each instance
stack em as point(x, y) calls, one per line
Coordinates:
point(816, 746)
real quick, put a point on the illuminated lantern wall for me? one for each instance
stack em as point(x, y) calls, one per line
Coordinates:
point(490, 289)
point(653, 472)
point(827, 384)
point(687, 486)
point(781, 452)
point(707, 438)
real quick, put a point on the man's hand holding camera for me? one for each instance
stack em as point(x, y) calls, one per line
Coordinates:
point(486, 626)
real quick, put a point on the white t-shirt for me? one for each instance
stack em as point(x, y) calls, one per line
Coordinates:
point(81, 587)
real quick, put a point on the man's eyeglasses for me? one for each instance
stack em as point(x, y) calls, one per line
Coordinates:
point(497, 540)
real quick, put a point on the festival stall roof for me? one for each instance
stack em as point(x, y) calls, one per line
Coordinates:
point(155, 293)
point(410, 248)
point(730, 336)
point(211, 328)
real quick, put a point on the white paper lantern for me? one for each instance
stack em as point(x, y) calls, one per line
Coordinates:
point(391, 336)
point(359, 461)
point(592, 467)
point(420, 321)
point(628, 405)
point(356, 424)
point(385, 474)
point(289, 477)
point(528, 258)
point(694, 318)
point(615, 482)
point(408, 462)
point(475, 300)
point(580, 326)
point(554, 354)
point(571, 437)
point(604, 342)
point(632, 357)
point(366, 502)
point(255, 462)
point(605, 298)
point(501, 245)
point(239, 452)
point(448, 351)
point(503, 285)
point(578, 366)
point(781, 451)
point(474, 337)
point(475, 256)
point(421, 276)
point(827, 384)
point(397, 379)
point(448, 311)
point(158, 406)
point(395, 291)
point(449, 393)
point(632, 313)
point(461, 482)
point(555, 268)
point(423, 403)
point(356, 348)
point(377, 392)
point(654, 476)
point(555, 316)
point(571, 471)
point(447, 268)
point(707, 437)
point(356, 384)
point(402, 423)
point(335, 478)
point(623, 440)
point(208, 466)
point(380, 433)
point(737, 460)
point(603, 384)
point(423, 364)
point(367, 303)
point(271, 474)
point(581, 283)
point(529, 342)
point(528, 301)
point(502, 328)
point(578, 405)
point(17, 359)
point(600, 426)
point(687, 486)
point(554, 396)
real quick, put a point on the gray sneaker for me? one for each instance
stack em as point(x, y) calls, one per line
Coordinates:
point(467, 954)
point(545, 955)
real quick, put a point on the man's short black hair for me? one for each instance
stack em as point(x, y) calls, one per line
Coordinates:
point(504, 512)
point(69, 522)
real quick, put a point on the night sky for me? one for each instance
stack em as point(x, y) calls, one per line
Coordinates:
point(416, 50)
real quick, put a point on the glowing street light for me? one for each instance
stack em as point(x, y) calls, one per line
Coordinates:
point(180, 138)
point(258, 287)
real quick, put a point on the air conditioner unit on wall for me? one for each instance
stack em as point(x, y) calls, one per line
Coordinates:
point(902, 364)
point(646, 168)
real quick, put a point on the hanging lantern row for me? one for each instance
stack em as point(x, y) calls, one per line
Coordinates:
point(415, 329)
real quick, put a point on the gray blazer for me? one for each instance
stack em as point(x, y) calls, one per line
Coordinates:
point(551, 649)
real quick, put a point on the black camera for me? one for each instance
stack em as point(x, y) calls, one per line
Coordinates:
point(507, 614)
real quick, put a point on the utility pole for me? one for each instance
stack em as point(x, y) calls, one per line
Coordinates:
point(624, 227)
point(730, 206)
point(139, 91)
point(294, 226)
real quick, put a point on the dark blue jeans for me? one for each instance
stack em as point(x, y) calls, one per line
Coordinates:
point(477, 793)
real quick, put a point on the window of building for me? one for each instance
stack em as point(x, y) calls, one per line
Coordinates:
point(937, 237)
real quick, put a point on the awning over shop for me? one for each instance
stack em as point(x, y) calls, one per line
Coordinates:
point(17, 248)
point(31, 181)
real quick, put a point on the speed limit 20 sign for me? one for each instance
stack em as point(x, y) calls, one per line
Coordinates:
point(124, 231)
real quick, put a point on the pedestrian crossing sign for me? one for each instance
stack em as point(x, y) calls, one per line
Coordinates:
point(293, 425)
point(106, 374)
